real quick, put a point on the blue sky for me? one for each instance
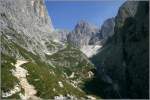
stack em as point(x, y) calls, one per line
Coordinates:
point(65, 14)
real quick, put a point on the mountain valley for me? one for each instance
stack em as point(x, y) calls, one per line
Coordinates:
point(89, 62)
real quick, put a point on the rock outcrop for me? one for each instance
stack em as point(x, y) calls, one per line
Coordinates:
point(26, 22)
point(124, 59)
point(89, 38)
point(82, 34)
point(60, 35)
point(107, 29)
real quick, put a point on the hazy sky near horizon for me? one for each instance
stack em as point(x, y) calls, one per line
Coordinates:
point(65, 14)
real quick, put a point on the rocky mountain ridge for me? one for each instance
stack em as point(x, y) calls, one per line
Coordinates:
point(90, 38)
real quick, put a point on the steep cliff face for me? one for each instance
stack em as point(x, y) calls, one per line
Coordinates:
point(135, 50)
point(26, 22)
point(124, 59)
point(27, 16)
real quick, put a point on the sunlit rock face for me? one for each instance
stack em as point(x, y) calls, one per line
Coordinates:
point(60, 35)
point(27, 15)
point(82, 34)
point(89, 38)
point(26, 22)
point(81, 37)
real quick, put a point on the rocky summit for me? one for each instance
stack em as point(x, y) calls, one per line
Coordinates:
point(88, 62)
point(82, 34)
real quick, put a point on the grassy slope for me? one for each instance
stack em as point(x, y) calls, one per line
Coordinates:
point(71, 60)
point(8, 81)
point(37, 70)
point(74, 58)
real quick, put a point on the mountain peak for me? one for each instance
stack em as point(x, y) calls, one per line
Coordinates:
point(84, 24)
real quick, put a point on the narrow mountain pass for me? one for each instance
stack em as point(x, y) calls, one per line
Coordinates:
point(20, 73)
